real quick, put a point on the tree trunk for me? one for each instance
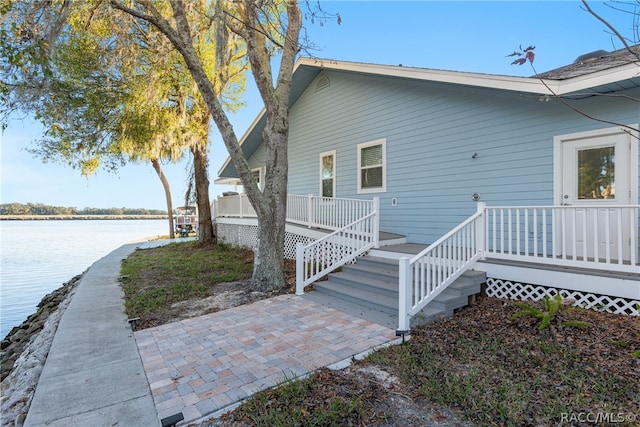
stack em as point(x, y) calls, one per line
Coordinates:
point(200, 163)
point(271, 208)
point(271, 205)
point(167, 193)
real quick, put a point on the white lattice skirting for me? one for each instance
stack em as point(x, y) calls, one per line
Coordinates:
point(500, 288)
point(247, 236)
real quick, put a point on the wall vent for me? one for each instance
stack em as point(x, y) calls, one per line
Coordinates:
point(322, 83)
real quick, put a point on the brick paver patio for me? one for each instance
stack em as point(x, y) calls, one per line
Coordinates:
point(201, 365)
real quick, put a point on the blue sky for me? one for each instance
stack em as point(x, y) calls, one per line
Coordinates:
point(459, 36)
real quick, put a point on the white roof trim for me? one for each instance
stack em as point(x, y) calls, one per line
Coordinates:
point(456, 77)
point(493, 81)
point(244, 137)
point(520, 84)
point(598, 78)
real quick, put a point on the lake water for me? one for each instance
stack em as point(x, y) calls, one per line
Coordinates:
point(38, 256)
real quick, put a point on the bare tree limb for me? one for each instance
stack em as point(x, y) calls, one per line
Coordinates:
point(612, 28)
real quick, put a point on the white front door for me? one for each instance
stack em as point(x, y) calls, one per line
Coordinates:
point(596, 170)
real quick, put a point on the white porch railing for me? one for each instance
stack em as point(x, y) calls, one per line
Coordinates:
point(330, 213)
point(324, 255)
point(596, 237)
point(426, 275)
point(234, 206)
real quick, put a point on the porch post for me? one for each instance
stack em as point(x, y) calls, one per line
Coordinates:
point(299, 268)
point(481, 230)
point(404, 282)
point(376, 222)
point(310, 210)
point(240, 205)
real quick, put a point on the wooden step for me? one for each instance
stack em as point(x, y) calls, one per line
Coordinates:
point(367, 298)
point(372, 283)
point(449, 301)
point(377, 270)
point(382, 286)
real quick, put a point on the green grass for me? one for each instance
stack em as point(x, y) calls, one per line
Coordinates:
point(489, 369)
point(289, 405)
point(153, 279)
point(495, 381)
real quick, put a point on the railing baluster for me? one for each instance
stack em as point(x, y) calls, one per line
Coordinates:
point(574, 230)
point(535, 232)
point(596, 236)
point(543, 241)
point(493, 232)
point(620, 237)
point(502, 230)
point(518, 240)
point(633, 236)
point(585, 245)
point(526, 231)
point(510, 230)
point(607, 237)
point(423, 279)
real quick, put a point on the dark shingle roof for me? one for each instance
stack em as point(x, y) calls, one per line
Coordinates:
point(599, 61)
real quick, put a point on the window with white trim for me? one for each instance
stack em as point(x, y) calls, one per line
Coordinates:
point(257, 174)
point(372, 166)
point(328, 174)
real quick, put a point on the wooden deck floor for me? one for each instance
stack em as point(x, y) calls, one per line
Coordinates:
point(411, 249)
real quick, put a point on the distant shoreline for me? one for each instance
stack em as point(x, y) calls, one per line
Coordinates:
point(79, 217)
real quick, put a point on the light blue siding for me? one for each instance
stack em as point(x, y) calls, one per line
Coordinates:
point(432, 132)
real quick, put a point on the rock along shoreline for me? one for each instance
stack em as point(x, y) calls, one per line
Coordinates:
point(24, 351)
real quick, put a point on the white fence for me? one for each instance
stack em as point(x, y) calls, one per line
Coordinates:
point(321, 212)
point(324, 255)
point(233, 206)
point(575, 236)
point(595, 237)
point(426, 275)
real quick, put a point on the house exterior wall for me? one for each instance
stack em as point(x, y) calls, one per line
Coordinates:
point(432, 132)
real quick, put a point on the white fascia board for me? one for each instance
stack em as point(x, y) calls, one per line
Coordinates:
point(493, 81)
point(525, 84)
point(227, 181)
point(243, 139)
point(612, 75)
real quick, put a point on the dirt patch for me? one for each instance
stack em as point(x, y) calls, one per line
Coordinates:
point(222, 296)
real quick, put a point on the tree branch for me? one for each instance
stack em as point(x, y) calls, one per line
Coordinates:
point(630, 129)
point(604, 21)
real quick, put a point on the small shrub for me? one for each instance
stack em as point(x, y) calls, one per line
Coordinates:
point(550, 308)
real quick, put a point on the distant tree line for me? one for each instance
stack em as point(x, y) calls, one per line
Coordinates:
point(42, 209)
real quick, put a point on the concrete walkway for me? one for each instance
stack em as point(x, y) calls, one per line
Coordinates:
point(95, 376)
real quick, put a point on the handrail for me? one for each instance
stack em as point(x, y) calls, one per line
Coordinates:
point(324, 255)
point(586, 236)
point(331, 213)
point(424, 276)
